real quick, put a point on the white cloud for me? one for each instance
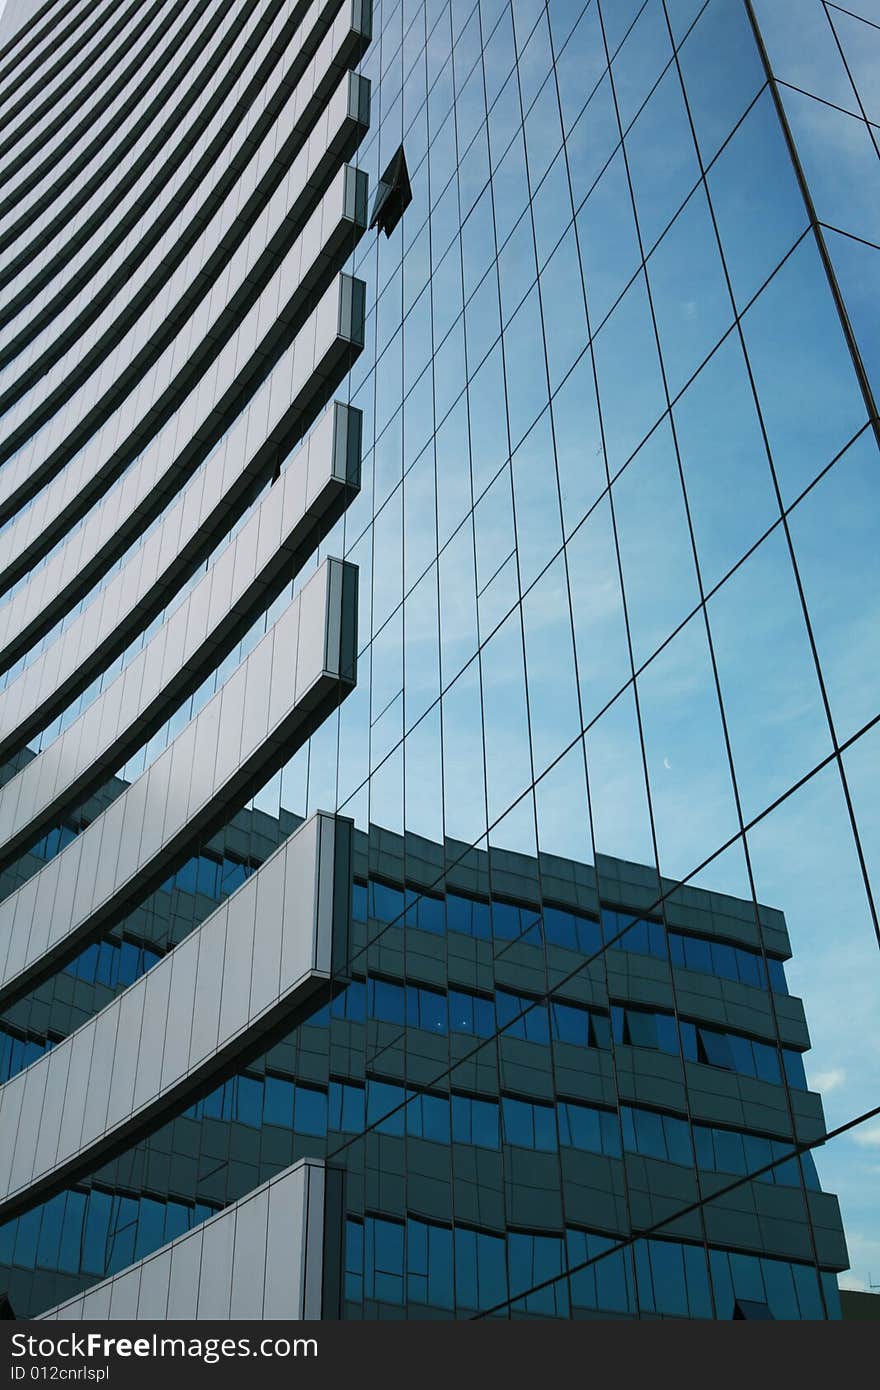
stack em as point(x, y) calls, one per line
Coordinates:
point(825, 1081)
point(868, 1138)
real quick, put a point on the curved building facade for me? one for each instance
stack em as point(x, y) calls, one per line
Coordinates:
point(437, 700)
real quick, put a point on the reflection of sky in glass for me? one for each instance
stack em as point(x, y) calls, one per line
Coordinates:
point(581, 527)
point(540, 639)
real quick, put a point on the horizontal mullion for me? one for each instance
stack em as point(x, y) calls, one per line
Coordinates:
point(54, 42)
point(304, 300)
point(219, 258)
point(306, 688)
point(37, 145)
point(250, 595)
point(216, 519)
point(339, 240)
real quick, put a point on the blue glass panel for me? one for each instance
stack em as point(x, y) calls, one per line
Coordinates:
point(359, 902)
point(435, 1118)
point(670, 1289)
point(466, 1272)
point(724, 961)
point(150, 1227)
point(506, 924)
point(610, 1134)
point(636, 939)
point(560, 928)
point(485, 1123)
point(50, 1231)
point(697, 954)
point(667, 1034)
point(519, 1125)
point(177, 1220)
point(729, 1155)
point(385, 1108)
point(428, 1010)
point(8, 1232)
point(617, 1022)
point(579, 1126)
point(123, 1231)
point(676, 949)
point(384, 1272)
point(767, 1063)
point(688, 1035)
point(716, 1050)
point(832, 1294)
point(491, 1270)
point(644, 1277)
point(28, 1235)
point(792, 1290)
point(794, 1069)
point(745, 1271)
point(431, 915)
point(678, 1141)
point(735, 1047)
point(628, 1125)
point(614, 1277)
point(310, 1111)
point(481, 921)
point(722, 1283)
point(458, 914)
point(589, 936)
point(640, 1029)
point(387, 903)
point(278, 1102)
point(751, 969)
point(249, 1102)
point(95, 1234)
point(545, 1128)
point(571, 1025)
point(811, 1177)
point(386, 1001)
point(440, 1267)
point(697, 1281)
point(600, 1031)
point(657, 940)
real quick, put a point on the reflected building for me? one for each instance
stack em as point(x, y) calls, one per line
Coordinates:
point(511, 1066)
point(437, 447)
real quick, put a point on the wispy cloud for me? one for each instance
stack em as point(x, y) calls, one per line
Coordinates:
point(868, 1138)
point(825, 1081)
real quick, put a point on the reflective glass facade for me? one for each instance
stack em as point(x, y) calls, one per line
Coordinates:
point(534, 544)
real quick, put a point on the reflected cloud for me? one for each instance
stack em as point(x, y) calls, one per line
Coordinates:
point(827, 1081)
point(868, 1138)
